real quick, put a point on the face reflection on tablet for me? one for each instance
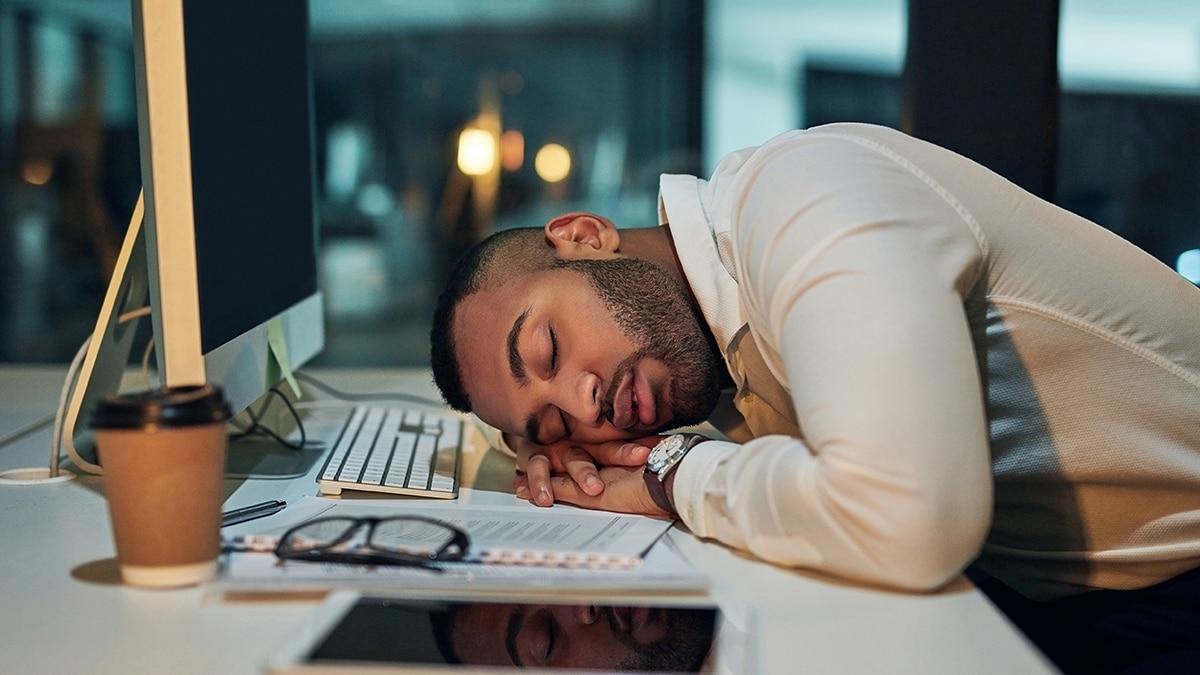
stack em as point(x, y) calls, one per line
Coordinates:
point(577, 636)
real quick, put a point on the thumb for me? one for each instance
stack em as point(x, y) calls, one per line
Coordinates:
point(631, 454)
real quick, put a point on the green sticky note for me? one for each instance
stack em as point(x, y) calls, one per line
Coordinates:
point(279, 354)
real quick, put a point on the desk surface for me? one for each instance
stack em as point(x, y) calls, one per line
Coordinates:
point(65, 611)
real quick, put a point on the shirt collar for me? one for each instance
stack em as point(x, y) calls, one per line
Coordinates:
point(682, 206)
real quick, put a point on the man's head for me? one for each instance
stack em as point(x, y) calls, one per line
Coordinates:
point(576, 636)
point(555, 333)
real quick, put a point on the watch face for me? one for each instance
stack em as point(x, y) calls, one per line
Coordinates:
point(662, 453)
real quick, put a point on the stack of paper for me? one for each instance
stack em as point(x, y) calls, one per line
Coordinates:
point(513, 547)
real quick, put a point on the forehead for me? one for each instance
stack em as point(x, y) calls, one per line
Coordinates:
point(486, 316)
point(490, 311)
point(478, 633)
point(481, 327)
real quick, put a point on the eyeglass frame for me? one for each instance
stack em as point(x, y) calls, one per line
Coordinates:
point(372, 555)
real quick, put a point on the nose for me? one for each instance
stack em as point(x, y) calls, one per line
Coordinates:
point(580, 399)
point(585, 614)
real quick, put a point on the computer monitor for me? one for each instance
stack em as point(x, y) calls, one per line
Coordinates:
point(226, 252)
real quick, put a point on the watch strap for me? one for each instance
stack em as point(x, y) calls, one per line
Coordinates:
point(656, 477)
point(658, 492)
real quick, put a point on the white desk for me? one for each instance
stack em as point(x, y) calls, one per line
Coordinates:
point(64, 610)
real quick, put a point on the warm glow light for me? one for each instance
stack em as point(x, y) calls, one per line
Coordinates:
point(37, 171)
point(476, 152)
point(512, 150)
point(552, 163)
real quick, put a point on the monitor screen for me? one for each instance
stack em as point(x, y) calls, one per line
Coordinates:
point(249, 105)
point(226, 252)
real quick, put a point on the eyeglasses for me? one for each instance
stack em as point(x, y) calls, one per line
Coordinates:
point(399, 540)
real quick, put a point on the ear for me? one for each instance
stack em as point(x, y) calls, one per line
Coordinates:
point(580, 236)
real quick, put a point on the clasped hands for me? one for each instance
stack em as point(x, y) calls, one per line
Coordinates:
point(605, 476)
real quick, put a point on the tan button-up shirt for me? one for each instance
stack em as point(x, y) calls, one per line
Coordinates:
point(930, 365)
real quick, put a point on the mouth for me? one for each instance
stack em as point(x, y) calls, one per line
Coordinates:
point(633, 404)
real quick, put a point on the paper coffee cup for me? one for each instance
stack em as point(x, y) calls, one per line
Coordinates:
point(163, 456)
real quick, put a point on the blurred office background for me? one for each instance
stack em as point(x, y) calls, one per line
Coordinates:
point(439, 122)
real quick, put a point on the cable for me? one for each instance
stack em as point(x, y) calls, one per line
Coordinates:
point(146, 363)
point(256, 426)
point(68, 384)
point(56, 436)
point(345, 396)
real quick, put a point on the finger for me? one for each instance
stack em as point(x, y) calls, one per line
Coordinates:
point(520, 482)
point(522, 492)
point(537, 473)
point(523, 454)
point(628, 454)
point(611, 453)
point(620, 453)
point(520, 485)
point(582, 470)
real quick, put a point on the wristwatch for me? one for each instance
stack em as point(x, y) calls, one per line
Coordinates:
point(663, 459)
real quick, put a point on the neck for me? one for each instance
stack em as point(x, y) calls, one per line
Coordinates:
point(656, 245)
point(653, 244)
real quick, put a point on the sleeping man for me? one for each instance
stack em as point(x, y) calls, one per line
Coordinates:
point(915, 367)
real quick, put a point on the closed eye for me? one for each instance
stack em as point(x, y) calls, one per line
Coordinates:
point(551, 640)
point(538, 426)
point(547, 635)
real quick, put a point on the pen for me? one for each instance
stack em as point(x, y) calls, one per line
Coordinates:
point(250, 543)
point(251, 512)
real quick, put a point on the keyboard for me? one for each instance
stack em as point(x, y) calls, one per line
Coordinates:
point(397, 450)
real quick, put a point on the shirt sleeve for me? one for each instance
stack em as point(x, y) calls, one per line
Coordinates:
point(492, 436)
point(853, 266)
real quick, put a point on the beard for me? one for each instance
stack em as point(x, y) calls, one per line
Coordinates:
point(655, 313)
point(688, 641)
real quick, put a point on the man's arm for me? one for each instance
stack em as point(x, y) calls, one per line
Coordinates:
point(852, 269)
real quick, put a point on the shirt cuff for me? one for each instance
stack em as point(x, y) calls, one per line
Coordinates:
point(692, 478)
point(493, 436)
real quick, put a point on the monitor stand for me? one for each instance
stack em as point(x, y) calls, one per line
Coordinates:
point(105, 361)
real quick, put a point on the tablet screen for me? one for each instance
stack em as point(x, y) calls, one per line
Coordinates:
point(597, 637)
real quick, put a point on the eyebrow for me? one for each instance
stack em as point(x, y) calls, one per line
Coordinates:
point(510, 636)
point(516, 365)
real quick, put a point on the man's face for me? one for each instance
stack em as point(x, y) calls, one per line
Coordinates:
point(581, 636)
point(599, 351)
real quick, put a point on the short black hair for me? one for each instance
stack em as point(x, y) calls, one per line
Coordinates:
point(442, 622)
point(499, 258)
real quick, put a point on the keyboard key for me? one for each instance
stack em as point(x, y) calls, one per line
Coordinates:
point(401, 450)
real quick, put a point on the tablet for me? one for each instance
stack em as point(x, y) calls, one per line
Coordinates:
point(354, 633)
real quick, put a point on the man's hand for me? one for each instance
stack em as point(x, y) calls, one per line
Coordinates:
point(624, 492)
point(574, 463)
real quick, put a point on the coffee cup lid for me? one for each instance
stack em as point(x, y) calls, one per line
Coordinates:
point(180, 406)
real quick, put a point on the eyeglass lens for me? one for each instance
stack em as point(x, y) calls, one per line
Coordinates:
point(411, 536)
point(407, 536)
